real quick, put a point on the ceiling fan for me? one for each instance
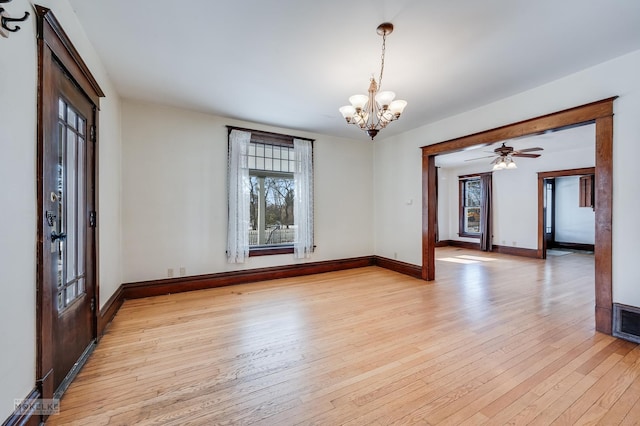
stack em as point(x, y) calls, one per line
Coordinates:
point(504, 156)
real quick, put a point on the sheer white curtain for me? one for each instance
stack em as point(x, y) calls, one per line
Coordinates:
point(303, 204)
point(238, 195)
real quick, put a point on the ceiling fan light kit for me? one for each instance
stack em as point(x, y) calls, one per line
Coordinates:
point(376, 110)
point(505, 154)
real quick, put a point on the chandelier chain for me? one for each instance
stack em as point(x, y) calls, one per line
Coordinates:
point(384, 45)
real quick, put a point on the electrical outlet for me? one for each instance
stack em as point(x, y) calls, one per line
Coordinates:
point(170, 273)
point(183, 271)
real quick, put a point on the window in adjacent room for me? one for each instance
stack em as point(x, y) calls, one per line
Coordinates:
point(470, 203)
point(270, 195)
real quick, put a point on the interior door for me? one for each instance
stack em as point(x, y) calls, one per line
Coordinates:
point(549, 213)
point(69, 228)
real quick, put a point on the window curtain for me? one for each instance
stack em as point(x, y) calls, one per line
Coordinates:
point(238, 196)
point(303, 198)
point(485, 212)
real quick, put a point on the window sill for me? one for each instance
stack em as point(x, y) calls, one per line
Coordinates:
point(268, 251)
point(467, 235)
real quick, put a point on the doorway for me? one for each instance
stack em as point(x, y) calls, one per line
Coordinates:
point(67, 189)
point(600, 113)
point(547, 205)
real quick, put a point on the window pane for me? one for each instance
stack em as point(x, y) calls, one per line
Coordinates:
point(472, 220)
point(472, 192)
point(271, 210)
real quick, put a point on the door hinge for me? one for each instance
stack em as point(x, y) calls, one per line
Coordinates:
point(92, 219)
point(92, 133)
point(93, 304)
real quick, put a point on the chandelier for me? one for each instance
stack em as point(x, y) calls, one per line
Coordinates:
point(374, 111)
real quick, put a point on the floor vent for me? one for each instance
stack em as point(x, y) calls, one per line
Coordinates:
point(626, 322)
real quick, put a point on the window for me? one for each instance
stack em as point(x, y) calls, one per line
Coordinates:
point(470, 202)
point(270, 195)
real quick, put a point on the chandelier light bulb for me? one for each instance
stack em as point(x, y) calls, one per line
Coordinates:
point(359, 101)
point(348, 111)
point(384, 99)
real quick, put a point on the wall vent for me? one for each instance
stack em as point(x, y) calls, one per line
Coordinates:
point(626, 322)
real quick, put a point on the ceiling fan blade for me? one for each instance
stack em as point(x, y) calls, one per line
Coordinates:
point(530, 150)
point(525, 155)
point(479, 158)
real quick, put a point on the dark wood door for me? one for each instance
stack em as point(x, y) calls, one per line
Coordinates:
point(68, 242)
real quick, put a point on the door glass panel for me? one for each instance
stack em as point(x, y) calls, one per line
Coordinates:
point(81, 207)
point(70, 205)
point(59, 224)
point(71, 199)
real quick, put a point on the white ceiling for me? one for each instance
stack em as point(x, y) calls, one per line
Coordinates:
point(293, 63)
point(552, 143)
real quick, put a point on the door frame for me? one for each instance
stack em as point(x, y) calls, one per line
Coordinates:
point(55, 45)
point(542, 243)
point(600, 113)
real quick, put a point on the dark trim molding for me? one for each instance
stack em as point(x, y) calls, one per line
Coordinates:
point(516, 251)
point(137, 290)
point(25, 419)
point(573, 246)
point(108, 312)
point(398, 266)
point(50, 30)
point(463, 244)
point(268, 251)
point(271, 136)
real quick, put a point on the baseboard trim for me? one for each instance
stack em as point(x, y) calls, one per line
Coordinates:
point(463, 244)
point(108, 312)
point(141, 289)
point(516, 251)
point(19, 418)
point(573, 246)
point(398, 266)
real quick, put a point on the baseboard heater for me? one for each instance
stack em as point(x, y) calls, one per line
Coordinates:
point(626, 322)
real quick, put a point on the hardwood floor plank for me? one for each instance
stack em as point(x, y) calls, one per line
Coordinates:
point(506, 341)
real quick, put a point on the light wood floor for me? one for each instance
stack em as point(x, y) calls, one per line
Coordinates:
point(506, 341)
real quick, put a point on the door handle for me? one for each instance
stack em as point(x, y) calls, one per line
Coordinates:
point(55, 236)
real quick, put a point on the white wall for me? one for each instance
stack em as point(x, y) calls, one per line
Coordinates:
point(175, 199)
point(18, 94)
point(617, 77)
point(573, 224)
